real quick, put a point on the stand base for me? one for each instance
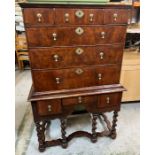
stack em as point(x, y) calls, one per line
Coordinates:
point(109, 132)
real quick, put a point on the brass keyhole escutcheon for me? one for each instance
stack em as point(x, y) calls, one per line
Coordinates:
point(79, 51)
point(79, 31)
point(79, 13)
point(79, 71)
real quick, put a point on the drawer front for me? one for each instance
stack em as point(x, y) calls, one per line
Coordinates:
point(109, 99)
point(38, 16)
point(116, 16)
point(48, 107)
point(75, 56)
point(75, 77)
point(79, 16)
point(79, 100)
point(46, 37)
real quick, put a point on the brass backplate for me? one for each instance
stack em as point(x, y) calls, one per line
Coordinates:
point(79, 13)
point(79, 30)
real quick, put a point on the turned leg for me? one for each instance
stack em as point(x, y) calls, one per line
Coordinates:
point(113, 129)
point(47, 124)
point(40, 127)
point(63, 132)
point(94, 123)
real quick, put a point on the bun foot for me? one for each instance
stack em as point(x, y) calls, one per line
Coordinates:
point(41, 149)
point(113, 136)
point(94, 140)
point(64, 145)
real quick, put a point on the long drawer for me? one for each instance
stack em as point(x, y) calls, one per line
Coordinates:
point(47, 80)
point(75, 56)
point(76, 16)
point(67, 36)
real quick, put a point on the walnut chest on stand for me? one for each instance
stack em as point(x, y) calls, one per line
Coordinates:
point(75, 54)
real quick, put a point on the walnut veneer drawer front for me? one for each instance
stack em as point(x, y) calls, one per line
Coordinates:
point(79, 100)
point(39, 16)
point(86, 35)
point(75, 56)
point(100, 101)
point(48, 107)
point(75, 77)
point(109, 99)
point(79, 16)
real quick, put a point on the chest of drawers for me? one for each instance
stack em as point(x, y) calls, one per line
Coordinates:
point(76, 54)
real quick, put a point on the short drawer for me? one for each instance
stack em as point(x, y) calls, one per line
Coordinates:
point(109, 100)
point(79, 100)
point(38, 16)
point(75, 56)
point(67, 36)
point(116, 16)
point(79, 16)
point(48, 107)
point(56, 79)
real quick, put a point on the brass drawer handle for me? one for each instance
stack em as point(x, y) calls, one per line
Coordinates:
point(108, 100)
point(101, 55)
point(66, 17)
point(54, 36)
point(79, 51)
point(91, 17)
point(39, 16)
point(102, 35)
point(57, 80)
point(79, 71)
point(99, 76)
point(79, 30)
point(79, 13)
point(56, 57)
point(115, 15)
point(79, 99)
point(49, 108)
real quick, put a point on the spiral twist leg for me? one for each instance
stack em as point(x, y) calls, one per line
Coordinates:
point(40, 128)
point(113, 129)
point(63, 132)
point(94, 127)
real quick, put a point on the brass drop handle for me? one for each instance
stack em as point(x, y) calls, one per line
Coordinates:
point(57, 80)
point(66, 17)
point(79, 99)
point(102, 35)
point(115, 15)
point(56, 57)
point(91, 17)
point(99, 76)
point(39, 16)
point(108, 100)
point(101, 55)
point(54, 36)
point(49, 108)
